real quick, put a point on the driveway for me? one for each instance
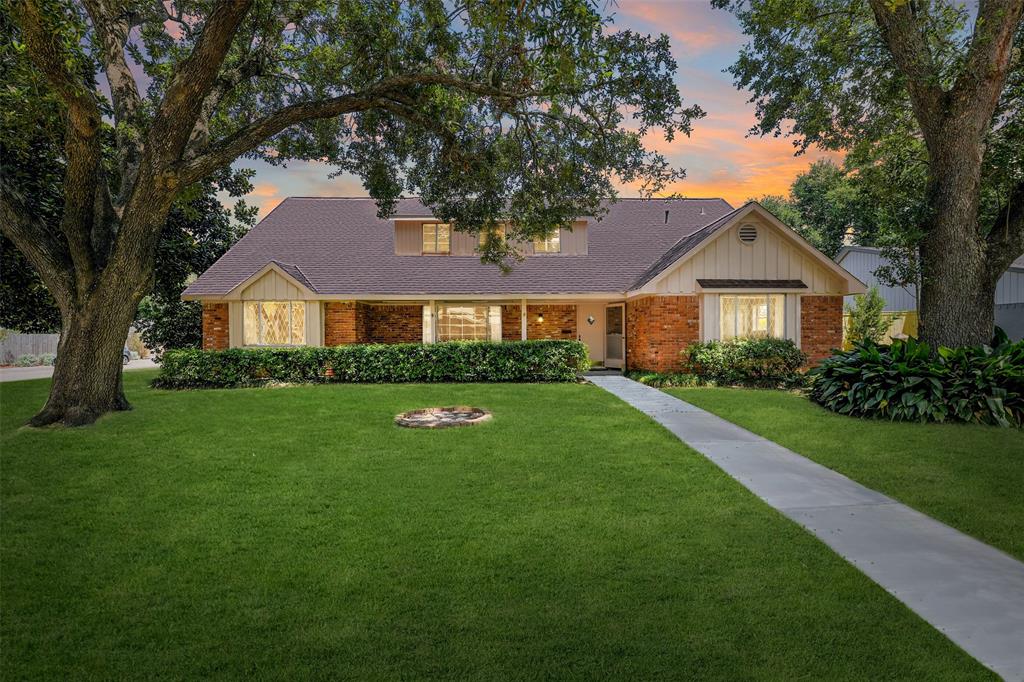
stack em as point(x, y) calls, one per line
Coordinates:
point(23, 373)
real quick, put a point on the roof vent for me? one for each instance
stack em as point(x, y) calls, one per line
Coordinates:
point(666, 217)
point(748, 234)
point(702, 211)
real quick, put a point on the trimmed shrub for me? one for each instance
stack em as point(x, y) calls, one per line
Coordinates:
point(519, 361)
point(907, 382)
point(747, 362)
point(26, 360)
point(666, 380)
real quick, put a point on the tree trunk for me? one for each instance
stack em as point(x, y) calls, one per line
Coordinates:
point(87, 375)
point(957, 297)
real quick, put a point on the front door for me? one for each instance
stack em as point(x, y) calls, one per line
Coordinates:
point(590, 328)
point(615, 335)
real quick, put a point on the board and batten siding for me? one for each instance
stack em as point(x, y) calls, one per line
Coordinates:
point(273, 287)
point(771, 256)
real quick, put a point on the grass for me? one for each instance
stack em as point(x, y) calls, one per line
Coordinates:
point(968, 476)
point(297, 533)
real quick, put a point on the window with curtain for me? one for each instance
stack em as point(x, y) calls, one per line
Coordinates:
point(274, 323)
point(437, 238)
point(752, 316)
point(468, 323)
point(499, 233)
point(551, 244)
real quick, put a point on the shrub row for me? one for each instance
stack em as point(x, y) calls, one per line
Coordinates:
point(747, 362)
point(520, 361)
point(907, 382)
point(666, 379)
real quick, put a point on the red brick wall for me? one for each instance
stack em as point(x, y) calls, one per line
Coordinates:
point(215, 326)
point(658, 328)
point(511, 324)
point(340, 323)
point(821, 326)
point(559, 322)
point(392, 324)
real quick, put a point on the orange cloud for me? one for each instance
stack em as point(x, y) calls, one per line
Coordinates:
point(705, 29)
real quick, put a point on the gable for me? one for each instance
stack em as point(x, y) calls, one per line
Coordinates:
point(776, 253)
point(272, 285)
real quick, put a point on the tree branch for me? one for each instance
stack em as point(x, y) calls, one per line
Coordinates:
point(980, 84)
point(905, 41)
point(47, 254)
point(1005, 241)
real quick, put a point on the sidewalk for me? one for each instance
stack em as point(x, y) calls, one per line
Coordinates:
point(23, 373)
point(969, 591)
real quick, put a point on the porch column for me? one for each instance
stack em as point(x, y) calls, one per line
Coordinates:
point(522, 317)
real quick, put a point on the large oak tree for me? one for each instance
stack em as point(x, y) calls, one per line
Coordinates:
point(885, 78)
point(523, 110)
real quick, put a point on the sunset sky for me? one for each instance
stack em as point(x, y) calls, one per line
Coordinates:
point(719, 158)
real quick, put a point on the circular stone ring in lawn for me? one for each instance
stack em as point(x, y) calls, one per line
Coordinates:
point(442, 417)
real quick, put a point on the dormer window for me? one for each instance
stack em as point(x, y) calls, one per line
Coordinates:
point(498, 231)
point(551, 244)
point(437, 238)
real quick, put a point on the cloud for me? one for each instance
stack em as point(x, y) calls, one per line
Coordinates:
point(693, 28)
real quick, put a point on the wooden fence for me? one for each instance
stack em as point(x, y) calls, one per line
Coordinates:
point(15, 345)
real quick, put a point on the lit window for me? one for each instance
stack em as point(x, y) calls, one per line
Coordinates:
point(468, 323)
point(499, 234)
point(437, 238)
point(752, 316)
point(551, 244)
point(274, 323)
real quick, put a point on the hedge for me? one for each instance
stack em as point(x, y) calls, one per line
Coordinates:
point(907, 382)
point(747, 362)
point(518, 361)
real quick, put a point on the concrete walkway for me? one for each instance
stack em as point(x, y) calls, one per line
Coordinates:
point(971, 592)
point(44, 371)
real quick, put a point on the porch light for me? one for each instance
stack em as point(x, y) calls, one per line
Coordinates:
point(540, 317)
point(590, 319)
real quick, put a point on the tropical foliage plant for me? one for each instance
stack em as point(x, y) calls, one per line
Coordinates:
point(906, 381)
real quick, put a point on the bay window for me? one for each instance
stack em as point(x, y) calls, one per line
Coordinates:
point(274, 323)
point(747, 316)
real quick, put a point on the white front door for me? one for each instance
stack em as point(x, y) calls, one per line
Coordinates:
point(615, 335)
point(590, 328)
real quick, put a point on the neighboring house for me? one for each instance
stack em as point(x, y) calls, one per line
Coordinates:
point(637, 286)
point(863, 261)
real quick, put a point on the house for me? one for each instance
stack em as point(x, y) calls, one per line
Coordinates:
point(901, 302)
point(637, 286)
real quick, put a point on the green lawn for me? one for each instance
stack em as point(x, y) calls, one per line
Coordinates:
point(296, 533)
point(970, 477)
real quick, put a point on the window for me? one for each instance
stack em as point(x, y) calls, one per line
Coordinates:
point(752, 316)
point(468, 323)
point(437, 238)
point(551, 244)
point(499, 233)
point(274, 323)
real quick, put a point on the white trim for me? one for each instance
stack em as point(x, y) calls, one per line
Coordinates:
point(522, 318)
point(252, 279)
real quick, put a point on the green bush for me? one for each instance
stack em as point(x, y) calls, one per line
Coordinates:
point(865, 321)
point(666, 380)
point(907, 382)
point(520, 361)
point(747, 362)
point(27, 360)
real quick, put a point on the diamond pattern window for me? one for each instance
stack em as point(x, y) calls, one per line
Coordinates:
point(274, 323)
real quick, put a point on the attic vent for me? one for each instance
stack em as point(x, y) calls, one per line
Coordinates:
point(748, 234)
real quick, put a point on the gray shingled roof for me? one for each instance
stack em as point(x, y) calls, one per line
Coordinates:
point(340, 246)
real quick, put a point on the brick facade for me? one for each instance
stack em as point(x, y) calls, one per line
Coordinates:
point(658, 328)
point(215, 326)
point(559, 322)
point(821, 326)
point(342, 323)
point(511, 323)
point(391, 324)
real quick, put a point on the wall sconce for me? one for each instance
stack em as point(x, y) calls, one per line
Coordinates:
point(590, 319)
point(540, 318)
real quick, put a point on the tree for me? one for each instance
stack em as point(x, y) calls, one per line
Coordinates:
point(879, 77)
point(866, 322)
point(510, 111)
